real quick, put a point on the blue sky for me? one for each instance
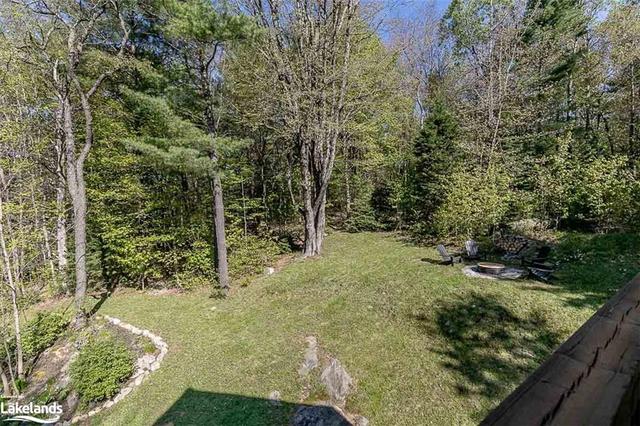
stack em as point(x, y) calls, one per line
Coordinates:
point(405, 10)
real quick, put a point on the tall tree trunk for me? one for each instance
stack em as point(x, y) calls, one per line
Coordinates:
point(61, 236)
point(213, 120)
point(632, 113)
point(61, 211)
point(79, 199)
point(314, 194)
point(347, 177)
point(77, 192)
point(6, 386)
point(13, 291)
point(244, 208)
point(222, 266)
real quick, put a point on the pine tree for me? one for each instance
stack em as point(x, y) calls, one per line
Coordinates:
point(435, 154)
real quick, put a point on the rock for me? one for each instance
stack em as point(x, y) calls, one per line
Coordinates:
point(310, 357)
point(274, 397)
point(146, 361)
point(318, 415)
point(71, 403)
point(138, 380)
point(108, 404)
point(524, 353)
point(126, 391)
point(360, 421)
point(269, 270)
point(154, 366)
point(337, 382)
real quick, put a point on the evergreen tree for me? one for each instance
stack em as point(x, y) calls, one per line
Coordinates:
point(435, 154)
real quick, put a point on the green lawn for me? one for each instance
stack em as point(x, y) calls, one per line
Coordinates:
point(425, 344)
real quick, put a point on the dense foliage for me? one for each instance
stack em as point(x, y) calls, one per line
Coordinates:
point(42, 331)
point(189, 143)
point(103, 364)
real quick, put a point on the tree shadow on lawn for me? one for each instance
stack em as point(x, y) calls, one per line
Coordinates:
point(488, 347)
point(196, 407)
point(594, 266)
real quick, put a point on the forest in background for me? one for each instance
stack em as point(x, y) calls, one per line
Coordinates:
point(180, 143)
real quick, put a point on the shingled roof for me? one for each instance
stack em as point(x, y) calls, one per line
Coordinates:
point(593, 378)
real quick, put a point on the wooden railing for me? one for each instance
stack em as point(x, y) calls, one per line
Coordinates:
point(593, 378)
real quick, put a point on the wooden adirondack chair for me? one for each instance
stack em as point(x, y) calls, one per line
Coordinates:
point(447, 259)
point(473, 250)
point(541, 274)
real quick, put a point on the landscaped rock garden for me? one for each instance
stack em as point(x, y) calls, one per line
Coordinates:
point(91, 370)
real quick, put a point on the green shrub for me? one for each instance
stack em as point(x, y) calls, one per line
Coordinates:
point(362, 218)
point(42, 331)
point(605, 193)
point(102, 366)
point(249, 254)
point(555, 182)
point(476, 200)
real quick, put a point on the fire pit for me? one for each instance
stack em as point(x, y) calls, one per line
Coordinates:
point(491, 268)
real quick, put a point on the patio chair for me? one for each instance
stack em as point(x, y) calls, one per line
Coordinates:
point(541, 274)
point(448, 259)
point(473, 250)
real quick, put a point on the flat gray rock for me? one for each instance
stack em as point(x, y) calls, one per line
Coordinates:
point(310, 356)
point(506, 274)
point(337, 382)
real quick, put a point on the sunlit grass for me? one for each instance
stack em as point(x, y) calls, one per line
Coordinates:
point(425, 344)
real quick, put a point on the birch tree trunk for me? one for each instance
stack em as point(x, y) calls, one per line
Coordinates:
point(61, 211)
point(61, 236)
point(13, 293)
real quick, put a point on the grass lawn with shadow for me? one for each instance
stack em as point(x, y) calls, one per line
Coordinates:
point(424, 343)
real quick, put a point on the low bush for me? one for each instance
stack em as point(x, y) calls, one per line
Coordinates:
point(249, 254)
point(103, 364)
point(42, 331)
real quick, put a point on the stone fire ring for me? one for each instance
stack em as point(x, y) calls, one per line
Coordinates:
point(490, 268)
point(506, 273)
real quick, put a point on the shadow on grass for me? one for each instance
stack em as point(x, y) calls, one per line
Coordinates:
point(594, 266)
point(208, 408)
point(487, 346)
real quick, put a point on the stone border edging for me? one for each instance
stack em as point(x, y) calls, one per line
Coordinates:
point(146, 364)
